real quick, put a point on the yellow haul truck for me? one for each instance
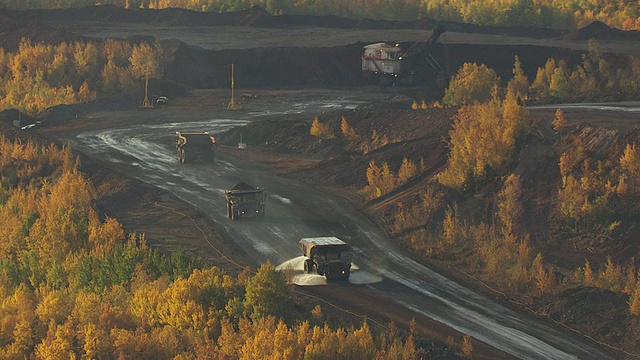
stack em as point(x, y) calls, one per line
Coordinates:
point(195, 145)
point(327, 256)
point(245, 200)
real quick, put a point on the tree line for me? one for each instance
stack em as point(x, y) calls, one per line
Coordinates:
point(39, 76)
point(561, 14)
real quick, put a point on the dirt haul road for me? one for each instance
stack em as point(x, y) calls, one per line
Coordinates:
point(140, 144)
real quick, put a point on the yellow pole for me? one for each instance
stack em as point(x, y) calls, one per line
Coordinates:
point(232, 102)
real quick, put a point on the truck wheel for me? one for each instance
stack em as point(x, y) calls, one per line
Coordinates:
point(308, 266)
point(184, 156)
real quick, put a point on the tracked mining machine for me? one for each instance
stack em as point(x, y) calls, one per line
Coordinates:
point(327, 256)
point(245, 201)
point(389, 64)
point(193, 146)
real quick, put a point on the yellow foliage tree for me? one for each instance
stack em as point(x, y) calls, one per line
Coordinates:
point(589, 279)
point(59, 343)
point(347, 131)
point(467, 346)
point(519, 84)
point(484, 137)
point(471, 83)
point(267, 293)
point(544, 279)
point(558, 120)
point(321, 130)
point(388, 179)
point(630, 163)
point(408, 169)
point(634, 303)
point(510, 208)
point(611, 278)
point(146, 63)
point(374, 180)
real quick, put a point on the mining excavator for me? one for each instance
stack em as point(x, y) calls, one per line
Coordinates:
point(389, 64)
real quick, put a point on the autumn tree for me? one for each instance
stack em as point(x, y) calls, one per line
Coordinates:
point(388, 179)
point(510, 208)
point(320, 129)
point(471, 83)
point(467, 346)
point(540, 85)
point(408, 170)
point(484, 139)
point(267, 293)
point(634, 302)
point(545, 280)
point(347, 131)
point(86, 61)
point(630, 163)
point(374, 180)
point(558, 120)
point(146, 62)
point(519, 84)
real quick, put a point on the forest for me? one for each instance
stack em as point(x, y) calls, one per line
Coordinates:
point(73, 284)
point(560, 14)
point(39, 76)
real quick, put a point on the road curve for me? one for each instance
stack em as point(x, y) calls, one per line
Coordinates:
point(296, 210)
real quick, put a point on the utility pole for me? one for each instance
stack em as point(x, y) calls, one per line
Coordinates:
point(232, 103)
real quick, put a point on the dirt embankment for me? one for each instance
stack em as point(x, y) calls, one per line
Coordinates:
point(286, 66)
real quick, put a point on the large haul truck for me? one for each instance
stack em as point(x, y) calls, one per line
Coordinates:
point(327, 256)
point(245, 200)
point(192, 146)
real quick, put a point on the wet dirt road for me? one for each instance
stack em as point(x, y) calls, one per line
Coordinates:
point(145, 148)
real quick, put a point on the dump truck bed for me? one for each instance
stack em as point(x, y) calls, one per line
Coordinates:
point(306, 244)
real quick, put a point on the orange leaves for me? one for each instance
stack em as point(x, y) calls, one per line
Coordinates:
point(472, 83)
point(484, 137)
point(104, 236)
point(347, 131)
point(382, 180)
point(510, 208)
point(41, 76)
point(321, 130)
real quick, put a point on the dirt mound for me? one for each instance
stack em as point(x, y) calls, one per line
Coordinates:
point(602, 143)
point(266, 67)
point(601, 31)
point(256, 17)
point(602, 313)
point(15, 118)
point(11, 32)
